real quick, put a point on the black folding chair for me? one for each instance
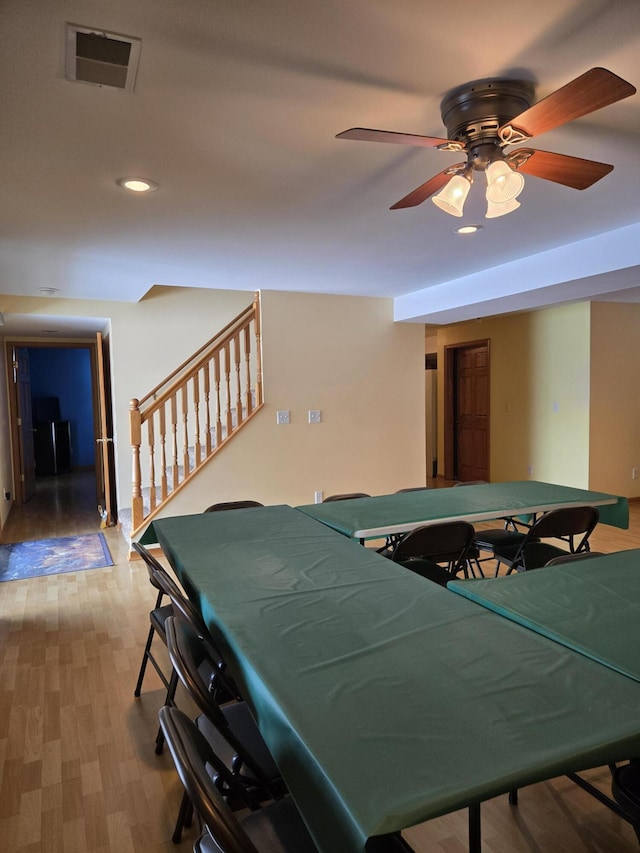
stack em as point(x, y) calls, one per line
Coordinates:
point(425, 548)
point(229, 728)
point(572, 525)
point(225, 505)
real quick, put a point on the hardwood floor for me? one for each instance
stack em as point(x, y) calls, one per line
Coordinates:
point(79, 772)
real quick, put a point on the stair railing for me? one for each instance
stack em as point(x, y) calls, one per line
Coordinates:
point(189, 417)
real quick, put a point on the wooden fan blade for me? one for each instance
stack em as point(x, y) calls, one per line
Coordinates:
point(570, 171)
point(591, 91)
point(365, 134)
point(425, 190)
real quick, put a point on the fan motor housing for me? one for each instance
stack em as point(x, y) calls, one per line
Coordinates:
point(473, 112)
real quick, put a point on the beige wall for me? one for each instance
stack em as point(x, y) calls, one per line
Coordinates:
point(539, 394)
point(343, 355)
point(559, 389)
point(509, 402)
point(614, 447)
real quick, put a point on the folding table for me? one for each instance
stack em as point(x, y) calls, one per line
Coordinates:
point(387, 700)
point(384, 515)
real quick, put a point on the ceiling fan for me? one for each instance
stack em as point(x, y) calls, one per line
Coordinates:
point(485, 118)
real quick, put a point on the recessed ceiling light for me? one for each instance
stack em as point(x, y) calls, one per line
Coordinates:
point(137, 185)
point(467, 229)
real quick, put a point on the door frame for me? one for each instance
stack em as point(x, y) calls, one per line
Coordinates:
point(33, 343)
point(450, 376)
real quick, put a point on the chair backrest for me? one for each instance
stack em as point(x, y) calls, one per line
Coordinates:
point(162, 580)
point(199, 666)
point(192, 656)
point(346, 497)
point(225, 505)
point(149, 560)
point(446, 542)
point(573, 558)
point(566, 523)
point(412, 489)
point(192, 756)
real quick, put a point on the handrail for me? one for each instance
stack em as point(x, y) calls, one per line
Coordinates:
point(248, 312)
point(189, 416)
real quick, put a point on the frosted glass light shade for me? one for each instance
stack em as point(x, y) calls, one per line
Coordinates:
point(452, 197)
point(494, 210)
point(503, 184)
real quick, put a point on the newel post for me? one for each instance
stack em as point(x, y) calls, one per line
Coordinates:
point(135, 432)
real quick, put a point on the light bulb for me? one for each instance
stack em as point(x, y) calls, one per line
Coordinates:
point(452, 197)
point(503, 184)
point(137, 185)
point(494, 210)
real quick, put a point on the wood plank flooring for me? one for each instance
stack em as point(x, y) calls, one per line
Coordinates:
point(79, 772)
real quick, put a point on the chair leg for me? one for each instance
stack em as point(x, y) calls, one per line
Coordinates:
point(143, 665)
point(184, 818)
point(168, 700)
point(475, 833)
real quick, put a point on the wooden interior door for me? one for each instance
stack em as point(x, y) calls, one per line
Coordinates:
point(24, 459)
point(106, 457)
point(467, 446)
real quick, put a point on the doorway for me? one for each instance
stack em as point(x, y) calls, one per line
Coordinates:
point(56, 389)
point(467, 438)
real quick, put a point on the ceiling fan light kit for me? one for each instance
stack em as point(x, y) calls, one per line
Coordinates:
point(503, 184)
point(494, 210)
point(484, 118)
point(451, 199)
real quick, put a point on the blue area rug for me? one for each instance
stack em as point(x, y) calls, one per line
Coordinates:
point(53, 556)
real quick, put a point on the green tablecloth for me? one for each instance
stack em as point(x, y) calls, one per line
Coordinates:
point(592, 607)
point(362, 518)
point(385, 699)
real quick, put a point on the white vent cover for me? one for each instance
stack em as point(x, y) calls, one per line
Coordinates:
point(101, 58)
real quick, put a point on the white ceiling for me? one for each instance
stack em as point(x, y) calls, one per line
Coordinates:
point(234, 113)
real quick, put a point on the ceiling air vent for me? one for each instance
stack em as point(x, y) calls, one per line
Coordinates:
point(104, 59)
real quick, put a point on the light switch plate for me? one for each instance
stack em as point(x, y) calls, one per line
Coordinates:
point(315, 416)
point(283, 416)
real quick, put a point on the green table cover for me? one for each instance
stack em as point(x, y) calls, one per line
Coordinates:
point(386, 699)
point(369, 518)
point(592, 607)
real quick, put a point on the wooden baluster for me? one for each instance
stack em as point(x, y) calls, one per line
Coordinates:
point(227, 376)
point(135, 439)
point(237, 360)
point(256, 314)
point(216, 380)
point(174, 429)
point(152, 465)
point(247, 365)
point(162, 422)
point(196, 425)
point(233, 345)
point(207, 406)
point(186, 464)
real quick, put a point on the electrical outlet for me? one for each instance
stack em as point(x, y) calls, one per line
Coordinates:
point(634, 473)
point(317, 496)
point(315, 416)
point(283, 416)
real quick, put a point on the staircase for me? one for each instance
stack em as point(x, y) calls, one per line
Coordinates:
point(188, 418)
